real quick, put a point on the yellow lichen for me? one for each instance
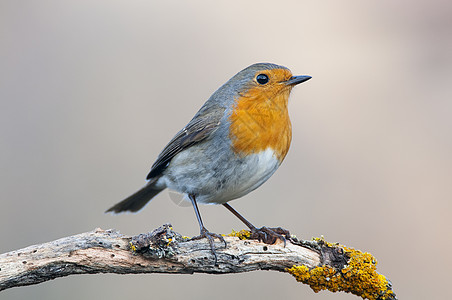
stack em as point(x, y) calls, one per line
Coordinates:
point(132, 246)
point(358, 277)
point(242, 234)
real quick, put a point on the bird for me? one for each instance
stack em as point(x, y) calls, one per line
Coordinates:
point(233, 144)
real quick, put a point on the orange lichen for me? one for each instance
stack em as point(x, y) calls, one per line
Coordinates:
point(260, 119)
point(358, 277)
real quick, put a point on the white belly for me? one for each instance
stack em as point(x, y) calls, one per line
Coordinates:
point(260, 167)
point(224, 178)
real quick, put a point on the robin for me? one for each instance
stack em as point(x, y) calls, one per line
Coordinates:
point(233, 144)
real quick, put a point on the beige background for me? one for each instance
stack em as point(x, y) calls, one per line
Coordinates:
point(90, 92)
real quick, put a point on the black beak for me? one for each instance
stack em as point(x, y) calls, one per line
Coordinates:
point(294, 80)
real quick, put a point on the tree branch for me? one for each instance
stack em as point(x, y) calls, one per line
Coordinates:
point(317, 263)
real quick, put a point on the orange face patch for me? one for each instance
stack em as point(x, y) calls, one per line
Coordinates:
point(260, 119)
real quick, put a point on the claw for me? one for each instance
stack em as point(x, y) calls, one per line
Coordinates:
point(210, 237)
point(270, 235)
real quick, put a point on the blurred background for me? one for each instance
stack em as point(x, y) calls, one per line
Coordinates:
point(91, 91)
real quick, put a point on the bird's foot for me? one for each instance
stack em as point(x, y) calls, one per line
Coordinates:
point(270, 235)
point(210, 237)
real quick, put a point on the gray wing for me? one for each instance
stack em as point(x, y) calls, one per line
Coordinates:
point(197, 130)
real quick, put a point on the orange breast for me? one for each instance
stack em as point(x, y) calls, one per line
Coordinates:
point(260, 120)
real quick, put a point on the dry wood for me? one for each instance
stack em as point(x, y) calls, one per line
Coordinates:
point(161, 251)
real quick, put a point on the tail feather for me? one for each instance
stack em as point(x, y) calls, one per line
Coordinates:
point(136, 201)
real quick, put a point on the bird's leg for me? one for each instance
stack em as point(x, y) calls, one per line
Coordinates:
point(236, 213)
point(204, 233)
point(264, 234)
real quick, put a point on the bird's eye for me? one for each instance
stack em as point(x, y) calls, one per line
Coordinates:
point(262, 78)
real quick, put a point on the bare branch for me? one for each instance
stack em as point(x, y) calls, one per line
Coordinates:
point(165, 251)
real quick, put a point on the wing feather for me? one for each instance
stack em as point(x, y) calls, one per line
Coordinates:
point(197, 130)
